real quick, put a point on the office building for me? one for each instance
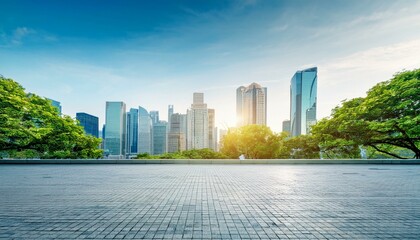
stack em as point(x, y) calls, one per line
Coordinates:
point(155, 116)
point(145, 132)
point(212, 129)
point(115, 131)
point(159, 139)
point(286, 126)
point(198, 123)
point(177, 133)
point(251, 105)
point(89, 123)
point(170, 112)
point(132, 131)
point(303, 98)
point(56, 104)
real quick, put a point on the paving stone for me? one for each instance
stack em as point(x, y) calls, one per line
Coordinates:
point(209, 201)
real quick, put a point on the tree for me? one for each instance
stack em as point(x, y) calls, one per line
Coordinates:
point(302, 147)
point(254, 141)
point(386, 120)
point(30, 126)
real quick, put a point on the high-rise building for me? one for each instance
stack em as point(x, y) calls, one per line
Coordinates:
point(212, 130)
point(170, 112)
point(145, 132)
point(251, 105)
point(56, 104)
point(132, 131)
point(303, 98)
point(177, 133)
point(115, 132)
point(89, 123)
point(286, 126)
point(155, 116)
point(198, 123)
point(160, 135)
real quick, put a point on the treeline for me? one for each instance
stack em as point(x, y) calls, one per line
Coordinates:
point(30, 127)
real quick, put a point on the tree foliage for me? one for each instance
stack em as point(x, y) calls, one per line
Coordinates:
point(205, 153)
point(254, 141)
point(31, 127)
point(386, 120)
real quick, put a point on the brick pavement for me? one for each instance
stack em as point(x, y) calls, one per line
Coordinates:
point(210, 201)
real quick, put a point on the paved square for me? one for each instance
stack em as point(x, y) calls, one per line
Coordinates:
point(210, 201)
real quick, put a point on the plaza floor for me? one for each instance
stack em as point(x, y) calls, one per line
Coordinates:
point(209, 201)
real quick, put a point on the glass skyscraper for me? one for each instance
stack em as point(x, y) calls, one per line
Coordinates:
point(251, 105)
point(303, 98)
point(115, 131)
point(198, 123)
point(160, 135)
point(89, 123)
point(132, 131)
point(145, 132)
point(56, 104)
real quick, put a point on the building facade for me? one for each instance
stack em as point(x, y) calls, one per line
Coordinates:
point(144, 132)
point(160, 135)
point(132, 131)
point(89, 123)
point(115, 131)
point(286, 126)
point(303, 101)
point(198, 123)
point(177, 133)
point(212, 130)
point(251, 105)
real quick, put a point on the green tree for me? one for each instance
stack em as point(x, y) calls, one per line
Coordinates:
point(254, 141)
point(386, 120)
point(30, 126)
point(302, 147)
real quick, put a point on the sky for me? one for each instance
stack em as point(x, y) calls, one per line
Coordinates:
point(156, 53)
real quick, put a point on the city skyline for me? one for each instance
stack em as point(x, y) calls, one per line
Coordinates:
point(146, 55)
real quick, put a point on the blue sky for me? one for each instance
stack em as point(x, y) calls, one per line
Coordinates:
point(155, 53)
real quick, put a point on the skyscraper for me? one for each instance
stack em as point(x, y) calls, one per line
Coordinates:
point(303, 98)
point(170, 112)
point(160, 135)
point(177, 133)
point(198, 123)
point(132, 131)
point(89, 123)
point(286, 126)
point(212, 130)
point(145, 132)
point(56, 104)
point(115, 131)
point(155, 116)
point(251, 105)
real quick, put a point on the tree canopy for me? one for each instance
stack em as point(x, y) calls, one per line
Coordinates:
point(31, 127)
point(254, 141)
point(387, 120)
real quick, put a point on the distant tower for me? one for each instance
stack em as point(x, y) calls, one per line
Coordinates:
point(212, 130)
point(145, 132)
point(160, 136)
point(177, 133)
point(198, 123)
point(89, 123)
point(56, 104)
point(286, 126)
point(132, 131)
point(170, 112)
point(115, 132)
point(303, 98)
point(251, 105)
point(155, 116)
